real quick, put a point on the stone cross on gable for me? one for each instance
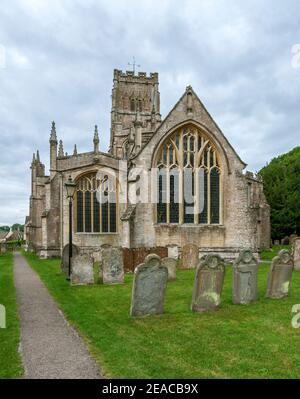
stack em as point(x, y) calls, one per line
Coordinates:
point(134, 65)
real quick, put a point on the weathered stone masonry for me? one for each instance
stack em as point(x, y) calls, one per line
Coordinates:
point(137, 136)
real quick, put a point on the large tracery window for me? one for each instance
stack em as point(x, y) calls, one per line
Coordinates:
point(96, 204)
point(189, 179)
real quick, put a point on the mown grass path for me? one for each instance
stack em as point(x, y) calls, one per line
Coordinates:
point(237, 341)
point(10, 360)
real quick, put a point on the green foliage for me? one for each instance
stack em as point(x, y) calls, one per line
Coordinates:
point(237, 341)
point(10, 361)
point(17, 226)
point(4, 228)
point(282, 189)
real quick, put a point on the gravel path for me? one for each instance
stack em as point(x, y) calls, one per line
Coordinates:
point(50, 347)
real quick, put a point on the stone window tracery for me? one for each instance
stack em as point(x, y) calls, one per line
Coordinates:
point(96, 203)
point(189, 179)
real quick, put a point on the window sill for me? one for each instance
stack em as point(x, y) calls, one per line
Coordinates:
point(189, 225)
point(95, 234)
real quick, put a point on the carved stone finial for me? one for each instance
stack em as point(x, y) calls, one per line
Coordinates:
point(33, 158)
point(96, 139)
point(75, 150)
point(61, 149)
point(38, 156)
point(53, 137)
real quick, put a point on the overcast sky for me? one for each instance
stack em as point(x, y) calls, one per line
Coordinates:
point(57, 59)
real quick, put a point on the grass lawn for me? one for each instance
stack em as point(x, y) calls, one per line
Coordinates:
point(237, 341)
point(10, 361)
point(269, 254)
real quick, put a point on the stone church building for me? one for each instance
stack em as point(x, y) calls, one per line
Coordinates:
point(161, 183)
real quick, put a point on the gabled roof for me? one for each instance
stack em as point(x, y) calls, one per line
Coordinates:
point(209, 122)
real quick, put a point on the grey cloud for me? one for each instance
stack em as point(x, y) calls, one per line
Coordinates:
point(60, 57)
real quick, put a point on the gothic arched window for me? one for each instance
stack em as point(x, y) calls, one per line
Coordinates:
point(189, 179)
point(96, 204)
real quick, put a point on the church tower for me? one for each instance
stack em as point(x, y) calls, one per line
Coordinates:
point(135, 113)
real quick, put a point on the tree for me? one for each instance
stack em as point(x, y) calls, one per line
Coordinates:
point(282, 189)
point(17, 226)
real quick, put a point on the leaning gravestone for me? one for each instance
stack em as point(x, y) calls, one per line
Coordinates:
point(149, 287)
point(173, 251)
point(112, 265)
point(208, 283)
point(190, 256)
point(280, 275)
point(65, 257)
point(82, 270)
point(245, 271)
point(296, 253)
point(170, 264)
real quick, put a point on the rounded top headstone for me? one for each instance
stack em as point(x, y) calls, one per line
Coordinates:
point(152, 260)
point(285, 256)
point(247, 256)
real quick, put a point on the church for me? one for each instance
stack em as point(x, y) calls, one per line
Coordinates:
point(162, 183)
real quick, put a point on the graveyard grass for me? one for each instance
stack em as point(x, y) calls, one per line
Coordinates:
point(237, 341)
point(10, 361)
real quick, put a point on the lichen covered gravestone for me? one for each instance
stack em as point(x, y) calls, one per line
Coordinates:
point(208, 283)
point(149, 287)
point(296, 253)
point(112, 265)
point(82, 270)
point(245, 271)
point(280, 275)
point(190, 256)
point(65, 257)
point(170, 264)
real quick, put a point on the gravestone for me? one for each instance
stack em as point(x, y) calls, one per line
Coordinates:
point(97, 256)
point(296, 253)
point(3, 248)
point(280, 275)
point(149, 287)
point(82, 270)
point(293, 238)
point(208, 283)
point(276, 242)
point(285, 241)
point(173, 251)
point(190, 256)
point(65, 257)
point(170, 264)
point(245, 271)
point(112, 265)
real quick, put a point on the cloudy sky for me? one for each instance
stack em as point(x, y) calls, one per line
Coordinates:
point(57, 59)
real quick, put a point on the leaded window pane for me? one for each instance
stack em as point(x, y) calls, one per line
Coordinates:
point(162, 205)
point(215, 196)
point(79, 212)
point(96, 214)
point(88, 212)
point(174, 198)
